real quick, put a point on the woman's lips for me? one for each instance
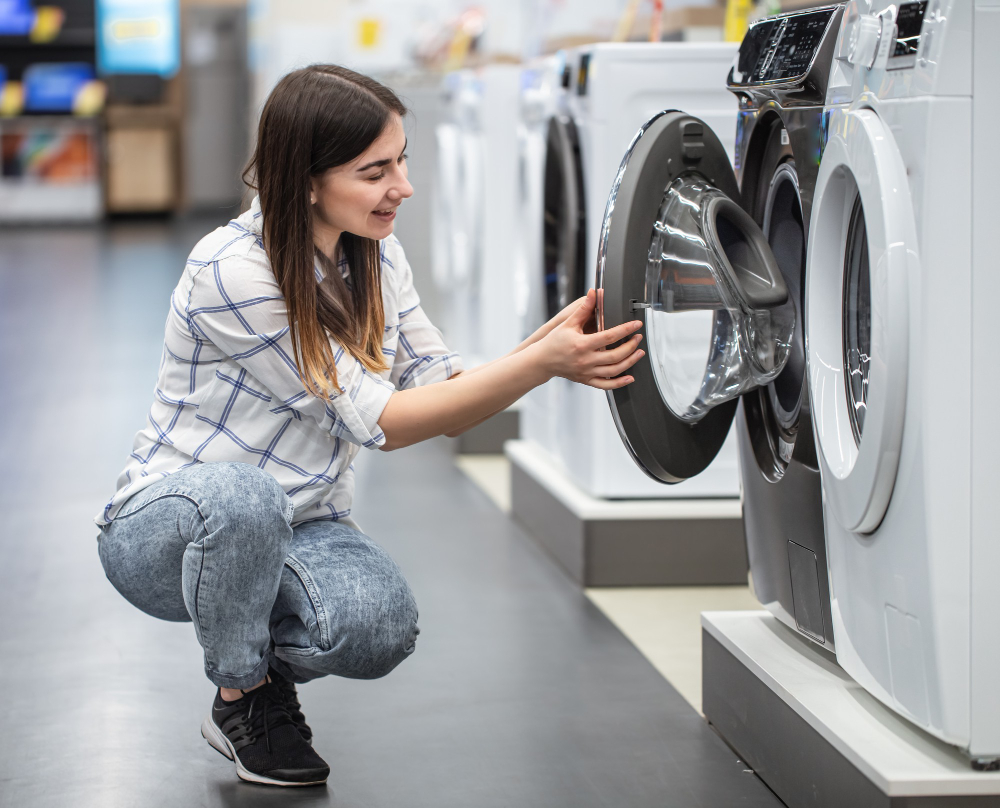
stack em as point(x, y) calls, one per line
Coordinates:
point(385, 216)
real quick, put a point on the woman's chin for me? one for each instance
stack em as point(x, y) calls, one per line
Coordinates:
point(376, 232)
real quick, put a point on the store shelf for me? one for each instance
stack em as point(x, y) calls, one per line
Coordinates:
point(67, 39)
point(51, 169)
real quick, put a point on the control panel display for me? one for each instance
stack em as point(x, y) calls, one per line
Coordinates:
point(781, 49)
point(909, 22)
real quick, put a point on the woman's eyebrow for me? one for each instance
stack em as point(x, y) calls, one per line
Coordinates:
point(380, 163)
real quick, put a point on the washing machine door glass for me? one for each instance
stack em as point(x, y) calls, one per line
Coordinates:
point(564, 251)
point(857, 319)
point(678, 250)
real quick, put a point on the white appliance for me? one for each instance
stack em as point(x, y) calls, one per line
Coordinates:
point(614, 90)
point(543, 96)
point(782, 95)
point(458, 181)
point(481, 134)
point(902, 285)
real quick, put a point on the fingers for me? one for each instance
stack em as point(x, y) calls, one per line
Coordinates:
point(585, 310)
point(609, 384)
point(572, 307)
point(613, 355)
point(619, 332)
point(621, 366)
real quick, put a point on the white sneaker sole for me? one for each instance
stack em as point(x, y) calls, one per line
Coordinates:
point(217, 740)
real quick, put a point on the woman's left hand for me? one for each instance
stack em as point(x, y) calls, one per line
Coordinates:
point(555, 322)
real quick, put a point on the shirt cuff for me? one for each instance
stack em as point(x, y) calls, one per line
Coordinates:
point(356, 412)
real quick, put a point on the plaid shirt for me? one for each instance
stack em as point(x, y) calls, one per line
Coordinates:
point(228, 387)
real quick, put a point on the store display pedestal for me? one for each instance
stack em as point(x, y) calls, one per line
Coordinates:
point(662, 542)
point(814, 735)
point(490, 436)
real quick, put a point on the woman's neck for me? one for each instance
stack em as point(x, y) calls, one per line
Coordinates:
point(326, 240)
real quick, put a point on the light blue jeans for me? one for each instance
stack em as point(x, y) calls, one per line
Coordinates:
point(213, 544)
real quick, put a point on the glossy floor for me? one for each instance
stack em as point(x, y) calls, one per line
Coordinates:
point(521, 693)
point(664, 623)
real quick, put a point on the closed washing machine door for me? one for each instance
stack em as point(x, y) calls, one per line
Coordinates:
point(564, 251)
point(862, 249)
point(678, 251)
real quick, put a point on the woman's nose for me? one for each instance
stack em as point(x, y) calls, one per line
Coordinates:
point(402, 190)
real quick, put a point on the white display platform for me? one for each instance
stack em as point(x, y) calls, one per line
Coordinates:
point(640, 542)
point(814, 735)
point(490, 436)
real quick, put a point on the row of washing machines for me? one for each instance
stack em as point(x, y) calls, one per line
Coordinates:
point(804, 225)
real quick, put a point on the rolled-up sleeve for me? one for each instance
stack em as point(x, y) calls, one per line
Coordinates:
point(237, 306)
point(421, 355)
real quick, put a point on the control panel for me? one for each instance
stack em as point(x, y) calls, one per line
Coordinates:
point(781, 49)
point(909, 23)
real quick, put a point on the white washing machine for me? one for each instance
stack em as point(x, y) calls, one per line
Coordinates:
point(481, 293)
point(614, 89)
point(458, 193)
point(902, 285)
point(543, 97)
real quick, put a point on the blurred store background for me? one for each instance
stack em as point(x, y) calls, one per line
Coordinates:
point(147, 107)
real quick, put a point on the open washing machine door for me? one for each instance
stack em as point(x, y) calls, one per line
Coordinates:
point(861, 255)
point(564, 252)
point(679, 251)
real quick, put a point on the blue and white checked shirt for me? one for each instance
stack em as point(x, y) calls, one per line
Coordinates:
point(228, 388)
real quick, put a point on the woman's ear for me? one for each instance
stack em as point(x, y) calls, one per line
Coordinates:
point(314, 184)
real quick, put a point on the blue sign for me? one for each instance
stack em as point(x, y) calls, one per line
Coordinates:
point(138, 36)
point(16, 17)
point(54, 87)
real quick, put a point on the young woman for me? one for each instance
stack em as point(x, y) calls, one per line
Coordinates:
point(294, 338)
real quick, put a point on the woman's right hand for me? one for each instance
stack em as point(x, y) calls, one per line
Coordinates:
point(568, 351)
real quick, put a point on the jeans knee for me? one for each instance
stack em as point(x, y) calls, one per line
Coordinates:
point(249, 483)
point(384, 646)
point(245, 493)
point(366, 639)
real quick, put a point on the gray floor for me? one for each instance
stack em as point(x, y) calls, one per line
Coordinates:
point(520, 694)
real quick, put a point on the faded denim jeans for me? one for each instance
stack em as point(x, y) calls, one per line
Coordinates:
point(213, 544)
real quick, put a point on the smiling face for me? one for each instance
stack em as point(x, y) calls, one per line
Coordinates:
point(361, 196)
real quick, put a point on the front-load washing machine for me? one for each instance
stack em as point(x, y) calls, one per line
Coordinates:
point(543, 97)
point(613, 89)
point(458, 195)
point(717, 271)
point(483, 111)
point(779, 138)
point(902, 285)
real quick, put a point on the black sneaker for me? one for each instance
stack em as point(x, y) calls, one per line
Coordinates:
point(258, 734)
point(291, 696)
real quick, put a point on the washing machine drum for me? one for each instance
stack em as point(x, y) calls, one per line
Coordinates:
point(678, 251)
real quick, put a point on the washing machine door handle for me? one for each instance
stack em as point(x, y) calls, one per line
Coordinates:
point(677, 246)
point(757, 276)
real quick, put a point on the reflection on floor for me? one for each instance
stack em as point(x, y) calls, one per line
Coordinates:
point(662, 622)
point(521, 692)
point(491, 473)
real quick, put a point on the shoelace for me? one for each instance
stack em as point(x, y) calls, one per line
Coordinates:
point(291, 696)
point(264, 711)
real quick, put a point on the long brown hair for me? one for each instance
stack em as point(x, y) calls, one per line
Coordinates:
point(317, 118)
